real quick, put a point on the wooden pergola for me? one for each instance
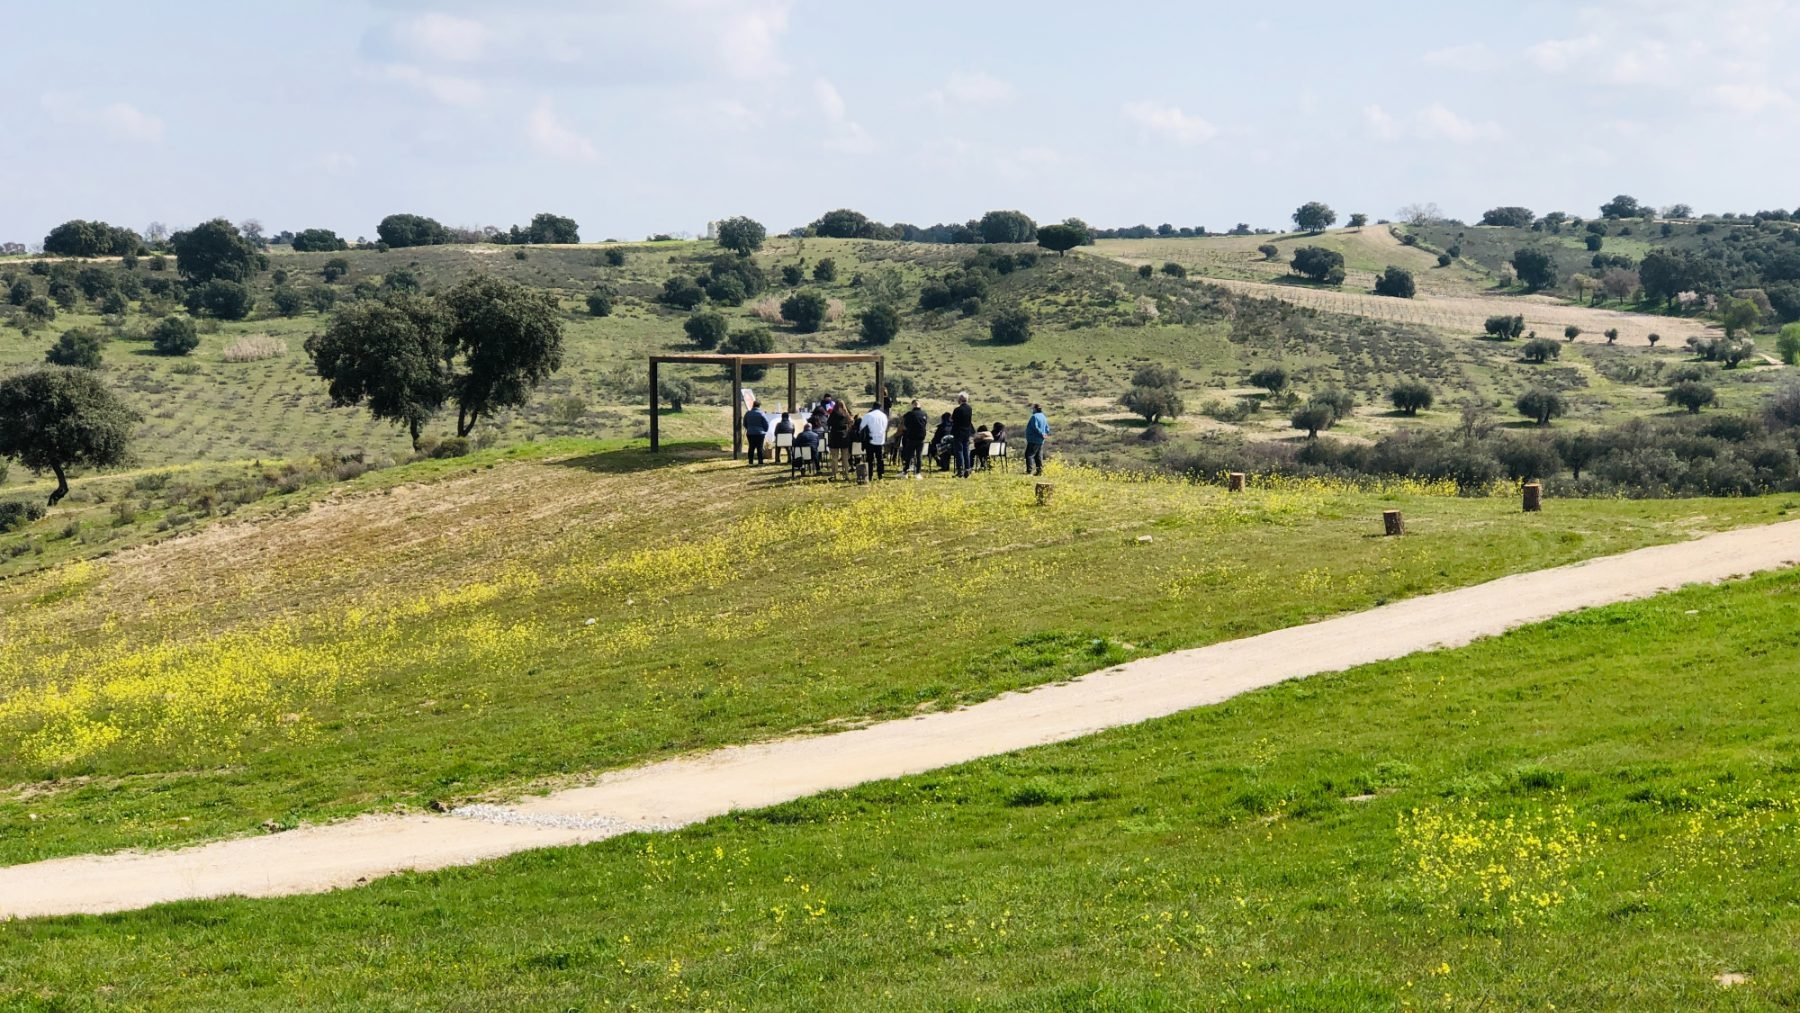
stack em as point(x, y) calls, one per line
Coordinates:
point(792, 360)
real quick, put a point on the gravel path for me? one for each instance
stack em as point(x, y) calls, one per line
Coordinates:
point(679, 792)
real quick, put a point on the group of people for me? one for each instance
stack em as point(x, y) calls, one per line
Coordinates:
point(830, 434)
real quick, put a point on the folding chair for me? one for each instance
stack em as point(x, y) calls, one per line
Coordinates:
point(997, 449)
point(800, 460)
point(784, 441)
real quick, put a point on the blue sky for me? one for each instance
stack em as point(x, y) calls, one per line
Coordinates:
point(636, 116)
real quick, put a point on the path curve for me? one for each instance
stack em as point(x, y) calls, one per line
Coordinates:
point(678, 792)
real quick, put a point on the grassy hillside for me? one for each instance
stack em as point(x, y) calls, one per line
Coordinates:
point(1599, 812)
point(444, 630)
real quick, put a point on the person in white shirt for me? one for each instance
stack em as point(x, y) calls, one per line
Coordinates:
point(873, 430)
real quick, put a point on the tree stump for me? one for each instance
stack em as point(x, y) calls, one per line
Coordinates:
point(1234, 481)
point(1534, 497)
point(1044, 489)
point(1392, 523)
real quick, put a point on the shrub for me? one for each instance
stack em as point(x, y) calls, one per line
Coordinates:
point(600, 303)
point(39, 309)
point(1410, 397)
point(805, 310)
point(1010, 327)
point(1445, 260)
point(18, 513)
point(288, 302)
point(115, 304)
point(767, 310)
point(1396, 282)
point(1692, 395)
point(225, 300)
point(1269, 251)
point(878, 324)
point(681, 293)
point(20, 292)
point(675, 392)
point(1540, 405)
point(334, 269)
point(792, 275)
point(1612, 335)
point(969, 307)
point(825, 270)
point(1145, 270)
point(615, 257)
point(726, 290)
point(254, 348)
point(451, 446)
point(1273, 379)
point(1571, 332)
point(1317, 263)
point(706, 330)
point(1174, 270)
point(1524, 458)
point(750, 341)
point(1788, 344)
point(1654, 338)
point(174, 336)
point(77, 347)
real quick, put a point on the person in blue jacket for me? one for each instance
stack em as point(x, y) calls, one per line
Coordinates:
point(1037, 429)
point(756, 429)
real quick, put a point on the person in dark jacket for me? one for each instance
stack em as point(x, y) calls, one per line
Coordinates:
point(962, 431)
point(807, 437)
point(912, 440)
point(943, 443)
point(756, 430)
point(785, 427)
point(837, 436)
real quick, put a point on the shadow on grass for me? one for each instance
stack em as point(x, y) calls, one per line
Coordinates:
point(626, 460)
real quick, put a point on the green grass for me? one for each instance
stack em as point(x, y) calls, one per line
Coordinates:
point(256, 671)
point(1289, 849)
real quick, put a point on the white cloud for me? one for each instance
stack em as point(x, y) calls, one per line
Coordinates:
point(846, 135)
point(552, 137)
point(1557, 55)
point(1749, 99)
point(749, 38)
point(444, 37)
point(1437, 121)
point(830, 102)
point(1169, 122)
point(450, 90)
point(975, 89)
point(1381, 122)
point(1473, 56)
point(120, 120)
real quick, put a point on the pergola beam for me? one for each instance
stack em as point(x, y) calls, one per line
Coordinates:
point(792, 360)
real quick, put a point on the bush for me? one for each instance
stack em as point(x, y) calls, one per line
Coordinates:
point(1174, 270)
point(726, 290)
point(1788, 344)
point(174, 336)
point(1504, 328)
point(1445, 260)
point(615, 257)
point(1612, 335)
point(1571, 332)
point(1269, 251)
point(77, 347)
point(288, 302)
point(18, 513)
point(451, 446)
point(681, 293)
point(750, 341)
point(1540, 405)
point(1410, 397)
point(805, 310)
point(1692, 395)
point(706, 330)
point(878, 324)
point(334, 269)
point(1318, 263)
point(1396, 282)
point(969, 307)
point(1010, 327)
point(825, 270)
point(20, 292)
point(792, 275)
point(600, 303)
point(1145, 270)
point(225, 300)
point(115, 304)
point(39, 309)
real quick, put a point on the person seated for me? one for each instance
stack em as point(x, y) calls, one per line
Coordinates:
point(808, 438)
point(983, 439)
point(943, 443)
point(784, 427)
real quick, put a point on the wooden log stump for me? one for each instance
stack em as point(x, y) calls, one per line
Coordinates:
point(1234, 481)
point(1044, 489)
point(1392, 523)
point(1534, 497)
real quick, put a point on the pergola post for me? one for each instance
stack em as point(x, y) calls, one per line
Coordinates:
point(880, 381)
point(737, 408)
point(793, 389)
point(655, 443)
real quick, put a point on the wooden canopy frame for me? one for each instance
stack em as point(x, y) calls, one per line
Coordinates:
point(792, 360)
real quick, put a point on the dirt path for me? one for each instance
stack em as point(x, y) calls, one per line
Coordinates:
point(683, 791)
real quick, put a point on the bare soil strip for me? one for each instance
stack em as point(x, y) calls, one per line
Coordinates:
point(684, 791)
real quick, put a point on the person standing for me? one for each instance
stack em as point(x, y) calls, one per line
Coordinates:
point(1037, 429)
point(962, 430)
point(756, 430)
point(874, 429)
point(912, 440)
point(837, 437)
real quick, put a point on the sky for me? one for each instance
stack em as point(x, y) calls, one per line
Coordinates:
point(641, 116)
